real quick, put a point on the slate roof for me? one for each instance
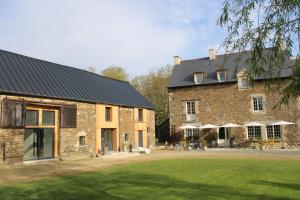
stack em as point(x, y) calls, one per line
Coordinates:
point(182, 74)
point(28, 76)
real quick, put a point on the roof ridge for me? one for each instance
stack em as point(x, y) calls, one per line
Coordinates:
point(62, 65)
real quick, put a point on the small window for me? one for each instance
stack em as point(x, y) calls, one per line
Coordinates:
point(274, 132)
point(32, 117)
point(148, 129)
point(222, 75)
point(48, 118)
point(244, 83)
point(108, 113)
point(190, 105)
point(140, 114)
point(189, 132)
point(126, 137)
point(258, 104)
point(198, 77)
point(254, 132)
point(81, 140)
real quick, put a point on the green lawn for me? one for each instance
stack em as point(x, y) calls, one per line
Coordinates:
point(172, 179)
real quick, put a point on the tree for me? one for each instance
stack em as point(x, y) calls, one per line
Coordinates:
point(258, 24)
point(115, 72)
point(154, 87)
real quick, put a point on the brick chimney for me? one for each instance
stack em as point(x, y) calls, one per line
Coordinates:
point(177, 60)
point(212, 54)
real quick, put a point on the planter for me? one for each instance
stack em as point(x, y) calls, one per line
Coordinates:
point(189, 148)
point(204, 148)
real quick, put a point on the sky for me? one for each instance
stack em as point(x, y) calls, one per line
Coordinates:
point(139, 35)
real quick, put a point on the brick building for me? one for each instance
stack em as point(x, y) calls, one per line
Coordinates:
point(216, 90)
point(54, 111)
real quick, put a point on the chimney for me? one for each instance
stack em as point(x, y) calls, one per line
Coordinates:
point(212, 54)
point(177, 60)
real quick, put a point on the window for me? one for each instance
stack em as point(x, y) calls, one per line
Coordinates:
point(48, 118)
point(244, 83)
point(126, 137)
point(274, 132)
point(258, 104)
point(148, 129)
point(68, 117)
point(192, 132)
point(254, 132)
point(140, 115)
point(190, 105)
point(32, 117)
point(198, 77)
point(222, 75)
point(81, 140)
point(108, 114)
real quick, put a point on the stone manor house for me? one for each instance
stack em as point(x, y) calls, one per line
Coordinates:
point(53, 111)
point(216, 90)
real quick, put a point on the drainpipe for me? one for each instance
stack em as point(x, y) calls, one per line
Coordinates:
point(3, 152)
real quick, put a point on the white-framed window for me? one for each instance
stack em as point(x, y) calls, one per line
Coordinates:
point(198, 77)
point(258, 103)
point(222, 75)
point(274, 132)
point(254, 132)
point(190, 132)
point(244, 83)
point(190, 108)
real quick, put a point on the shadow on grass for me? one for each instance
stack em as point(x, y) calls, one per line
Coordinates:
point(123, 185)
point(293, 186)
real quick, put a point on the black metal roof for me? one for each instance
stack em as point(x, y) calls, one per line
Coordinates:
point(183, 74)
point(28, 76)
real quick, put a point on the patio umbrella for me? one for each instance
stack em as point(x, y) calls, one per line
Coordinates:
point(208, 126)
point(187, 126)
point(282, 123)
point(230, 125)
point(254, 124)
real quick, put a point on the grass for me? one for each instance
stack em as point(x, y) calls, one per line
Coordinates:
point(171, 179)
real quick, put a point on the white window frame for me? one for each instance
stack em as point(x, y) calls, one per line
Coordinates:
point(256, 104)
point(198, 78)
point(190, 132)
point(274, 132)
point(244, 80)
point(255, 132)
point(192, 109)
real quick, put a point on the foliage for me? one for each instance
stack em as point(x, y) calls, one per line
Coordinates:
point(154, 87)
point(257, 25)
point(115, 72)
point(176, 138)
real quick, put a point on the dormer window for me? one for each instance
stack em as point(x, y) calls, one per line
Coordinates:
point(222, 75)
point(243, 79)
point(199, 77)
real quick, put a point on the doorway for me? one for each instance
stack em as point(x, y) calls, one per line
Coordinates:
point(141, 138)
point(223, 137)
point(38, 143)
point(40, 133)
point(107, 139)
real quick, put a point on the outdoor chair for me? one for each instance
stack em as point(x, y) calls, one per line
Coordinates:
point(292, 142)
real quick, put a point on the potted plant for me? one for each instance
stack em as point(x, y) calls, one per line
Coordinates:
point(204, 144)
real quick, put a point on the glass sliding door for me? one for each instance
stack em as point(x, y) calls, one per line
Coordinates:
point(141, 138)
point(107, 139)
point(38, 143)
point(30, 144)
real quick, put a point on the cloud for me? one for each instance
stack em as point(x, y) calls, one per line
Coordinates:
point(138, 35)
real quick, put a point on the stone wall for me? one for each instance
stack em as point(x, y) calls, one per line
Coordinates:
point(68, 138)
point(126, 124)
point(151, 128)
point(224, 103)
